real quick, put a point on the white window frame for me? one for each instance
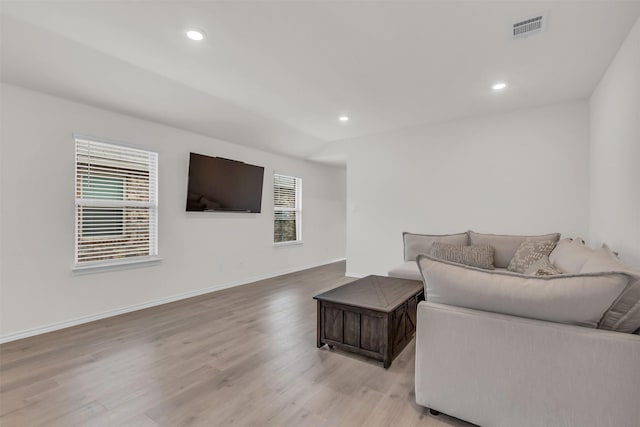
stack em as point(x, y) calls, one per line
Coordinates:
point(151, 204)
point(297, 209)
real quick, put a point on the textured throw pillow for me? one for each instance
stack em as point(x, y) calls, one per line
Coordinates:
point(570, 255)
point(578, 299)
point(477, 256)
point(542, 267)
point(529, 252)
point(416, 244)
point(505, 245)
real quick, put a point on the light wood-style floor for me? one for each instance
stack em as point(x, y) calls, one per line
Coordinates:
point(241, 356)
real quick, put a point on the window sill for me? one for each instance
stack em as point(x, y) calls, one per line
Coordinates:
point(285, 244)
point(100, 266)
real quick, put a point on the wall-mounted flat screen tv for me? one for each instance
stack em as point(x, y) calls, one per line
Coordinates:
point(217, 184)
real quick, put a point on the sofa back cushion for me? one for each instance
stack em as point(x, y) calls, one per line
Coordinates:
point(505, 245)
point(416, 244)
point(570, 255)
point(624, 315)
point(580, 299)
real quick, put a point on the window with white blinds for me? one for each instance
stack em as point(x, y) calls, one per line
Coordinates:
point(116, 203)
point(287, 209)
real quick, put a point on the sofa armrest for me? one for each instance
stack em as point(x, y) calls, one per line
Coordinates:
point(501, 370)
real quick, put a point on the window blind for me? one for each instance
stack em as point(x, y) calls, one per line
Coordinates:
point(287, 208)
point(116, 202)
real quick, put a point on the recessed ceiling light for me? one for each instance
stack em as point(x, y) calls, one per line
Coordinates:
point(343, 118)
point(196, 35)
point(499, 86)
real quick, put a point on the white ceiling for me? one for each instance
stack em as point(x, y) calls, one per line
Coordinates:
point(276, 75)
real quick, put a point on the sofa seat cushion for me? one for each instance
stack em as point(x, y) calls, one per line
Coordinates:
point(624, 315)
point(408, 270)
point(505, 246)
point(416, 244)
point(579, 299)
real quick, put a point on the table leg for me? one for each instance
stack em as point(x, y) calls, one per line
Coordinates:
point(388, 334)
point(319, 342)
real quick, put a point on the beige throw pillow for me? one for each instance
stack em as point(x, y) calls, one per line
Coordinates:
point(480, 256)
point(604, 259)
point(529, 252)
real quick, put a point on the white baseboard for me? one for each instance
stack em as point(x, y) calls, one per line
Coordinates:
point(356, 275)
point(93, 317)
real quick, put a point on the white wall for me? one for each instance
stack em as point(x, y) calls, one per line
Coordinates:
point(200, 250)
point(523, 172)
point(615, 153)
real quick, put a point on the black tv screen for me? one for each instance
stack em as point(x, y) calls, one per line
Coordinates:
point(217, 184)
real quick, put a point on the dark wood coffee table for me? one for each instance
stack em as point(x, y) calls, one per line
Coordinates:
point(374, 316)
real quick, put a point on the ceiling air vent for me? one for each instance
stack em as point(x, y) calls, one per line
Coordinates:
point(529, 27)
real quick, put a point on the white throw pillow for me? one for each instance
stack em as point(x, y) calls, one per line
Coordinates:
point(580, 299)
point(570, 255)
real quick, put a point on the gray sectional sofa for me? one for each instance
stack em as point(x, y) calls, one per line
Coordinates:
point(499, 348)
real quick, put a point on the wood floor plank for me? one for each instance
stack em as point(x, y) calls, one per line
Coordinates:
point(242, 356)
point(20, 397)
